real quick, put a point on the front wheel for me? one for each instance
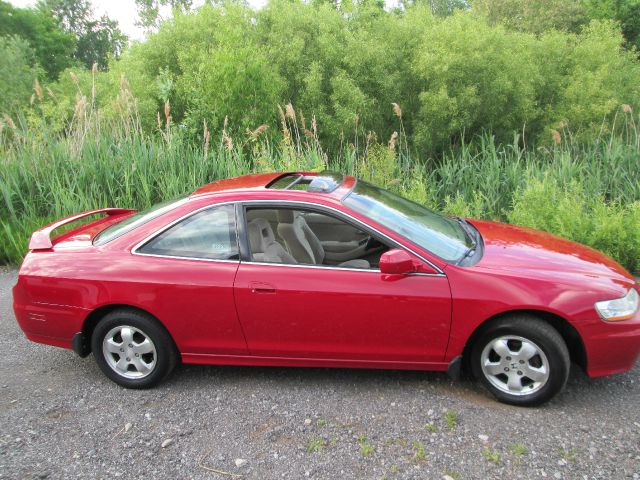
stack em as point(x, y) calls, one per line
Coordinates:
point(522, 360)
point(133, 349)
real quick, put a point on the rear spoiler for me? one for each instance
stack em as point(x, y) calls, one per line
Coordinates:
point(41, 238)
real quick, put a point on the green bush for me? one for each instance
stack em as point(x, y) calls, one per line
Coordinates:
point(567, 211)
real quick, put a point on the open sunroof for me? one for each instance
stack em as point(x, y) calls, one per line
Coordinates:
point(324, 182)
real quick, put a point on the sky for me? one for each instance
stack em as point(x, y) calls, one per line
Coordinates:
point(123, 11)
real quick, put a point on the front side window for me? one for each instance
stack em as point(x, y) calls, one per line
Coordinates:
point(435, 233)
point(209, 234)
point(308, 237)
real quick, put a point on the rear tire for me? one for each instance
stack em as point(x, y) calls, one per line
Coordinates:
point(133, 349)
point(521, 360)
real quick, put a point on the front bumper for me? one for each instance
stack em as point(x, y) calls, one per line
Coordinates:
point(612, 347)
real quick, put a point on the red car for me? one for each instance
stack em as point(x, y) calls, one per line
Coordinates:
point(324, 270)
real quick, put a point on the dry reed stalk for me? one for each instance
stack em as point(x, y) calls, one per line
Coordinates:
point(38, 89)
point(207, 137)
point(50, 93)
point(397, 110)
point(291, 113)
point(257, 132)
point(167, 113)
point(392, 141)
point(226, 138)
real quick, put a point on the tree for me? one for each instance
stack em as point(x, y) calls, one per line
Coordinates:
point(533, 16)
point(149, 10)
point(96, 40)
point(440, 8)
point(18, 73)
point(53, 48)
point(626, 12)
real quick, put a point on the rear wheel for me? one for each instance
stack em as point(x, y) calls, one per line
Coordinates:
point(521, 360)
point(133, 349)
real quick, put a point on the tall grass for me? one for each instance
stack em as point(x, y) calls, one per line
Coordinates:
point(587, 192)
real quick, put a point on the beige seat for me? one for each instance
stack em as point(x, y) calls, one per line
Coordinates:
point(303, 244)
point(263, 244)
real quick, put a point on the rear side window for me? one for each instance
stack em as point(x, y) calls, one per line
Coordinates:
point(209, 234)
point(135, 220)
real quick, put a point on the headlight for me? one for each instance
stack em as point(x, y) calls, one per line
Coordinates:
point(620, 308)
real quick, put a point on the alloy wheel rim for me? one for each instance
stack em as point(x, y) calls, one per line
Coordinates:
point(129, 352)
point(515, 365)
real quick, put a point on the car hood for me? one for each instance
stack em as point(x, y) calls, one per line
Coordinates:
point(509, 247)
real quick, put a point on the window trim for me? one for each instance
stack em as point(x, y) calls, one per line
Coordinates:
point(149, 238)
point(245, 257)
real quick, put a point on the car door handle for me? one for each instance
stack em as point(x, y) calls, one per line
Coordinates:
point(260, 287)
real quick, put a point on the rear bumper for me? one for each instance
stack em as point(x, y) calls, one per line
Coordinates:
point(613, 347)
point(47, 323)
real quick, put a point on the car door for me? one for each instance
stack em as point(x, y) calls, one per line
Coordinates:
point(332, 312)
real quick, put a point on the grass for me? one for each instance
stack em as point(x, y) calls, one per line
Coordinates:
point(419, 453)
point(451, 419)
point(518, 449)
point(316, 444)
point(366, 448)
point(570, 455)
point(586, 192)
point(492, 456)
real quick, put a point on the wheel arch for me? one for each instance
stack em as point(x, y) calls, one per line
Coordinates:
point(99, 313)
point(567, 331)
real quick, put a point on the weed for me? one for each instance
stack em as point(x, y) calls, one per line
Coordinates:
point(568, 455)
point(419, 453)
point(366, 448)
point(518, 449)
point(431, 427)
point(491, 456)
point(316, 444)
point(451, 419)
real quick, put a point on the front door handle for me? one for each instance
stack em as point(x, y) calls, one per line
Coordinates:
point(261, 287)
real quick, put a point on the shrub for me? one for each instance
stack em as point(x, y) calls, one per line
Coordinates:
point(567, 211)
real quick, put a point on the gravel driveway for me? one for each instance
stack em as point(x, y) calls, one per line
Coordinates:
point(61, 418)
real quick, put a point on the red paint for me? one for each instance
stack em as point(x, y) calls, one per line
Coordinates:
point(254, 314)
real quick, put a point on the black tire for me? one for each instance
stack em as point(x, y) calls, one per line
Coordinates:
point(152, 367)
point(517, 332)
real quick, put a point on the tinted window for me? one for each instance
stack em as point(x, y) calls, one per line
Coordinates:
point(207, 234)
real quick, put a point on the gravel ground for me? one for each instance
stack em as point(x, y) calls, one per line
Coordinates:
point(61, 418)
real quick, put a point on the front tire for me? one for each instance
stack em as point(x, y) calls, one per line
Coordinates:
point(133, 349)
point(521, 360)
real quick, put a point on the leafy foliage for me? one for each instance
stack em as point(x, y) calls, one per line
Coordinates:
point(16, 69)
point(96, 39)
point(53, 47)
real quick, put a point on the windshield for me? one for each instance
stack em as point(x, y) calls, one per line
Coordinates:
point(436, 233)
point(135, 220)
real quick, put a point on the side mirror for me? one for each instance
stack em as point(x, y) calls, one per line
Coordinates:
point(397, 262)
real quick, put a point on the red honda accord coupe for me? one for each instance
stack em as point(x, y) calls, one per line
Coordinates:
point(324, 270)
